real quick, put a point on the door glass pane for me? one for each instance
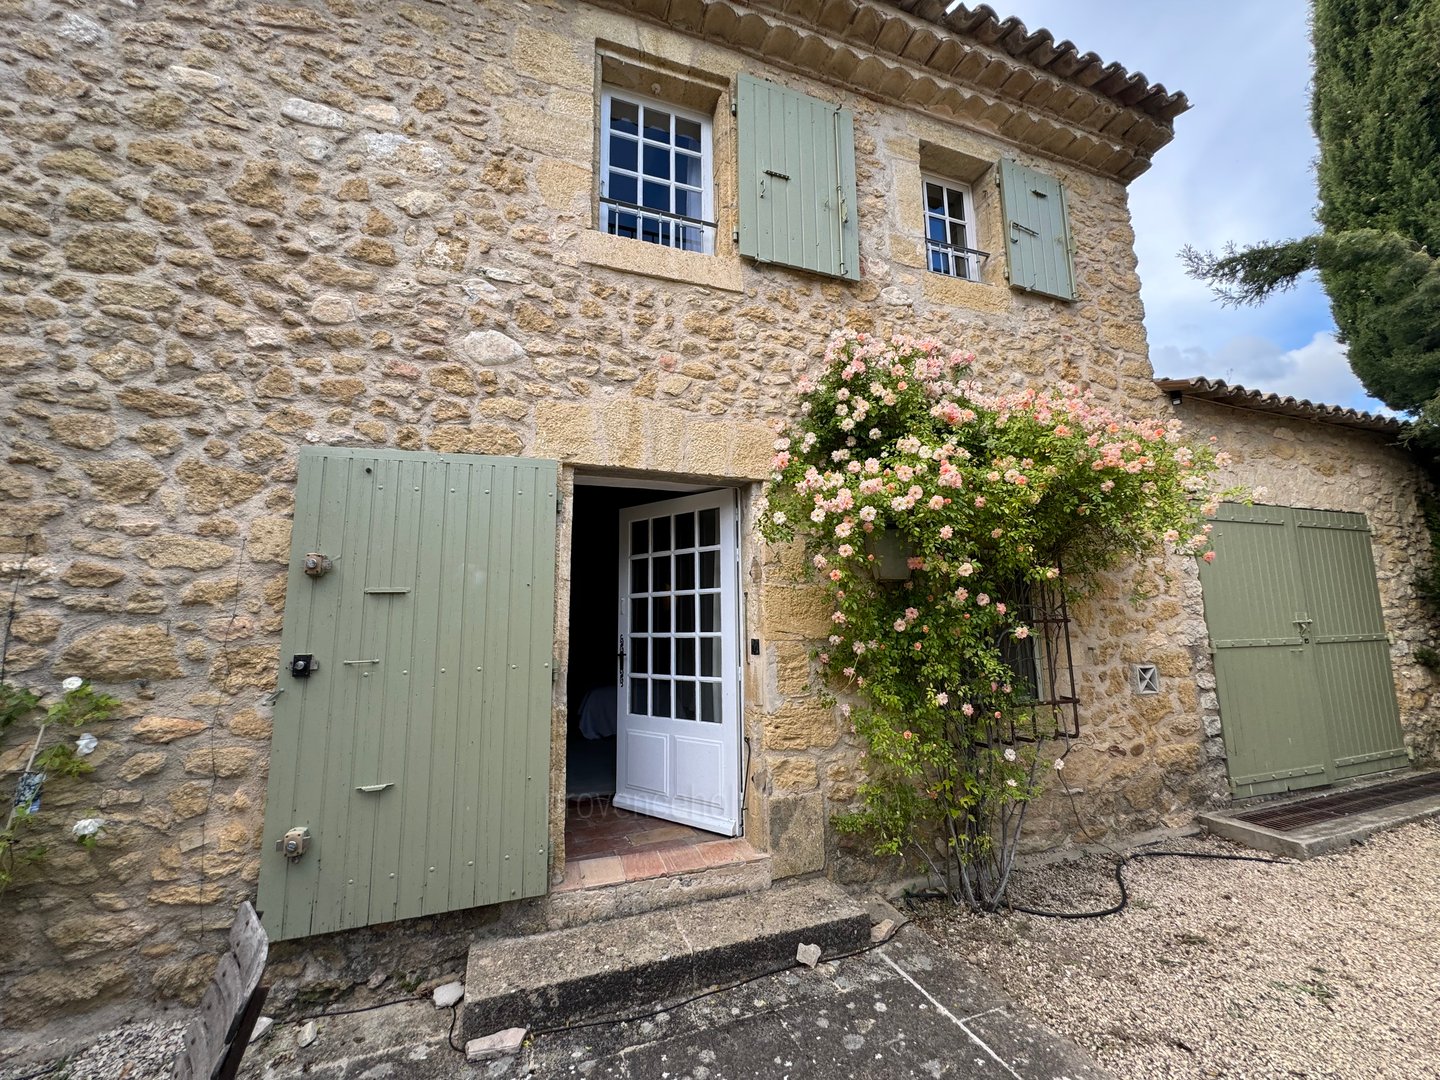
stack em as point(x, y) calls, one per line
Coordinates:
point(685, 572)
point(660, 706)
point(709, 612)
point(685, 614)
point(710, 656)
point(709, 527)
point(638, 575)
point(685, 656)
point(684, 531)
point(662, 534)
point(660, 655)
point(639, 704)
point(684, 699)
point(660, 614)
point(640, 655)
point(639, 616)
point(639, 537)
point(709, 569)
point(710, 702)
point(660, 574)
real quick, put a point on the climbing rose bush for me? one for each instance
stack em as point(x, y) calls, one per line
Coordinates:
point(992, 497)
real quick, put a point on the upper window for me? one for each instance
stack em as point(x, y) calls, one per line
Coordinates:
point(655, 173)
point(949, 225)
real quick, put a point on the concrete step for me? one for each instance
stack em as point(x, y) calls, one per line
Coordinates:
point(565, 975)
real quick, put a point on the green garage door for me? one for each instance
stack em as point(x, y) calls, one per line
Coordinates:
point(415, 752)
point(1302, 661)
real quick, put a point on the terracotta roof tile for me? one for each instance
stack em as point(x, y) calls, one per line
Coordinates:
point(1240, 397)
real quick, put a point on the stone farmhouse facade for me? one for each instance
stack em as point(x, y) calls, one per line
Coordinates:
point(281, 279)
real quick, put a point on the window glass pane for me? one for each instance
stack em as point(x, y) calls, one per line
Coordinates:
point(660, 573)
point(624, 116)
point(684, 700)
point(938, 262)
point(685, 656)
point(687, 171)
point(690, 237)
point(684, 531)
point(935, 229)
point(660, 614)
point(657, 196)
point(640, 655)
point(709, 569)
point(657, 125)
point(685, 614)
point(710, 703)
point(657, 162)
point(622, 224)
point(709, 612)
point(660, 656)
point(957, 234)
point(639, 537)
point(934, 198)
point(688, 134)
point(662, 534)
point(639, 570)
point(624, 188)
point(624, 153)
point(639, 702)
point(710, 656)
point(639, 616)
point(660, 704)
point(653, 231)
point(709, 527)
point(955, 204)
point(688, 202)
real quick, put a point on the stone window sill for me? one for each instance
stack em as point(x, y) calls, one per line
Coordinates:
point(957, 292)
point(637, 257)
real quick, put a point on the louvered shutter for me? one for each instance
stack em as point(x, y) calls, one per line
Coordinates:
point(1037, 231)
point(797, 180)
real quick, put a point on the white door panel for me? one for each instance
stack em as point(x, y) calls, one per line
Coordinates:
point(679, 707)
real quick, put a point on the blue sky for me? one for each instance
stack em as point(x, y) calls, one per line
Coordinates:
point(1241, 169)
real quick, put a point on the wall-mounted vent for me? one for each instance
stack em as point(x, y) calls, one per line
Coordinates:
point(1147, 679)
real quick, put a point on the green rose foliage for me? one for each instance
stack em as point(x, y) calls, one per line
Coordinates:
point(994, 499)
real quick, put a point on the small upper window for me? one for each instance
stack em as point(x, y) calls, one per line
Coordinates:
point(655, 173)
point(949, 226)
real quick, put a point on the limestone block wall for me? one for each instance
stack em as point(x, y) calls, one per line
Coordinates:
point(231, 230)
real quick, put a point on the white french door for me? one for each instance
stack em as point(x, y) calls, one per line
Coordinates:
point(678, 752)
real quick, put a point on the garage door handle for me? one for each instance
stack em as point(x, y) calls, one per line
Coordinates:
point(370, 789)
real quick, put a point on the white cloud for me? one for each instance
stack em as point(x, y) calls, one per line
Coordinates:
point(1317, 371)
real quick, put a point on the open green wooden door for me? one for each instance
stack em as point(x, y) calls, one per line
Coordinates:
point(1302, 662)
point(416, 754)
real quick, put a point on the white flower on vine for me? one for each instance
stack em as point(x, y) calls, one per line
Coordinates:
point(1009, 753)
point(86, 744)
point(1010, 782)
point(74, 682)
point(87, 827)
point(1059, 764)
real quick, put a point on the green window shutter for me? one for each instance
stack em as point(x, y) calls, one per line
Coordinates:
point(1037, 231)
point(797, 180)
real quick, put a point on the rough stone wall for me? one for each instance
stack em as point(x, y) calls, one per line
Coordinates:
point(234, 229)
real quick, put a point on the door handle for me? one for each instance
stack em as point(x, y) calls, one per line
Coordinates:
point(621, 657)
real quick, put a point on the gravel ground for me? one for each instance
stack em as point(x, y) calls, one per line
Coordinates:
point(1328, 968)
point(137, 1051)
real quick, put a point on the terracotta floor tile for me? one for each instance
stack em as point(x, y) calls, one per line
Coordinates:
point(572, 877)
point(682, 860)
point(642, 837)
point(725, 852)
point(640, 865)
point(606, 870)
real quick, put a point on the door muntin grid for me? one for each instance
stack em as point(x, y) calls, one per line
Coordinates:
point(674, 659)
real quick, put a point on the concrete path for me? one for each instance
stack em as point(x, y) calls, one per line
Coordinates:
point(904, 1010)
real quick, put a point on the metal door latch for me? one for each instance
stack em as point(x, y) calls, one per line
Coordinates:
point(318, 564)
point(295, 843)
point(302, 664)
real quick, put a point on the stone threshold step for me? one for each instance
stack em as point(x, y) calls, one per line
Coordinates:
point(566, 975)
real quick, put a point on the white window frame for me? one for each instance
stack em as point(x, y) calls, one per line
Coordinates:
point(958, 264)
point(666, 221)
